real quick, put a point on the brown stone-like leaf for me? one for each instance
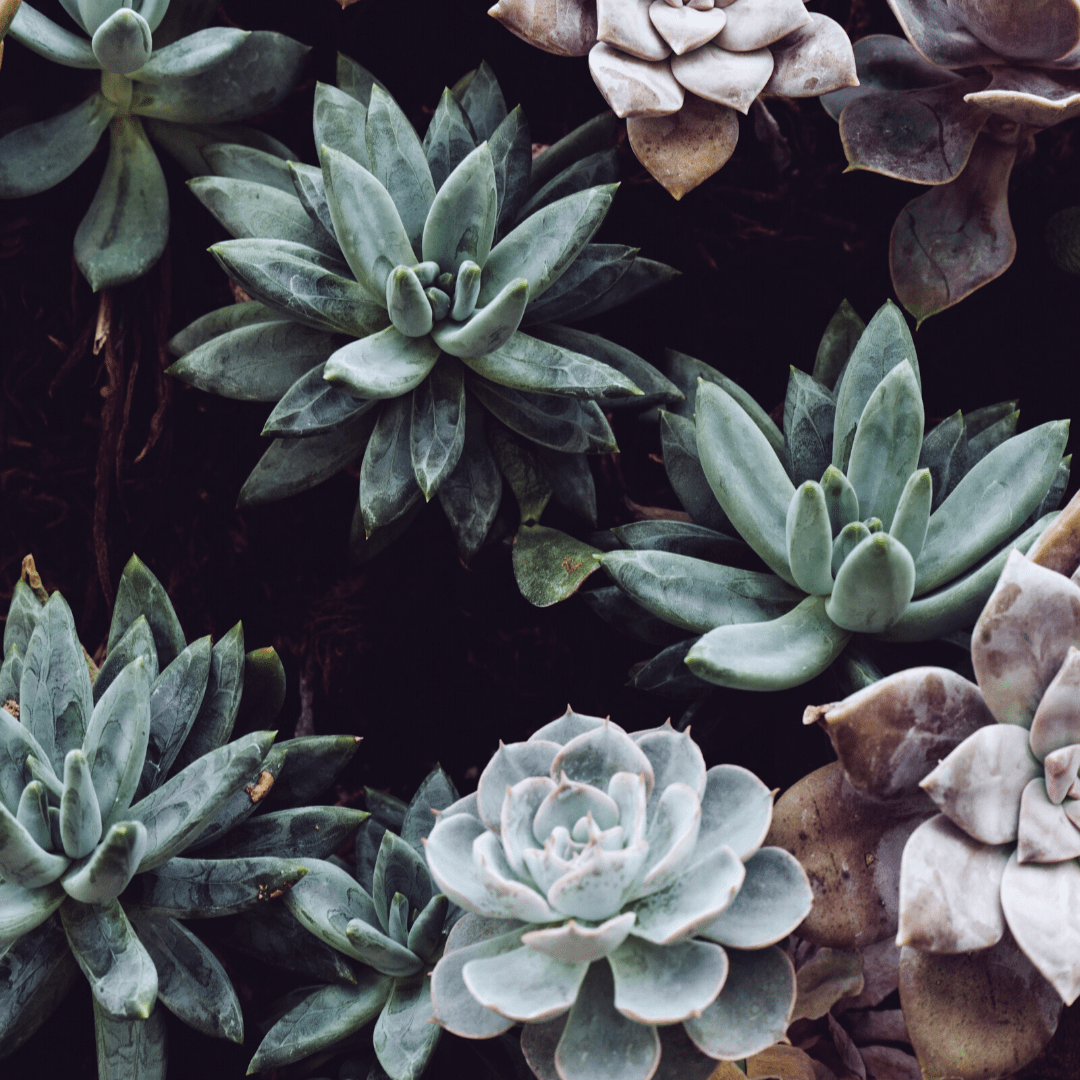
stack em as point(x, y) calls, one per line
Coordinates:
point(815, 59)
point(1046, 834)
point(850, 848)
point(939, 35)
point(780, 1063)
point(976, 1016)
point(1046, 30)
point(1023, 636)
point(1037, 98)
point(634, 87)
point(924, 135)
point(1057, 719)
point(890, 735)
point(1058, 547)
point(889, 1063)
point(686, 148)
point(563, 27)
point(828, 976)
point(879, 964)
point(950, 888)
point(957, 237)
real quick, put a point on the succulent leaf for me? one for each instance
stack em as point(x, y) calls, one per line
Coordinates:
point(33, 813)
point(469, 495)
point(340, 121)
point(437, 426)
point(130, 1046)
point(808, 420)
point(388, 486)
point(23, 862)
point(385, 365)
point(403, 1039)
point(511, 154)
point(657, 984)
point(460, 225)
point(80, 815)
point(106, 872)
point(449, 138)
point(312, 406)
point(913, 512)
point(327, 901)
point(41, 35)
point(873, 585)
point(809, 540)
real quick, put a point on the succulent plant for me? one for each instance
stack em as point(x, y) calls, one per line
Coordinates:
point(390, 923)
point(939, 824)
point(390, 287)
point(177, 94)
point(955, 107)
point(106, 777)
point(619, 902)
point(864, 525)
point(680, 70)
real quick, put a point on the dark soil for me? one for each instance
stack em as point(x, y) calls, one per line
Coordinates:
point(426, 658)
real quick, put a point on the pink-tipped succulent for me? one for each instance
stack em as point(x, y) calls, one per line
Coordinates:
point(954, 107)
point(679, 70)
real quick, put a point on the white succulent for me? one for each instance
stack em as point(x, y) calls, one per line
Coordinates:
point(621, 903)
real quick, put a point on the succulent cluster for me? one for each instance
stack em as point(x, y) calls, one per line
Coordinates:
point(902, 537)
point(680, 70)
point(107, 776)
point(391, 286)
point(176, 90)
point(949, 822)
point(620, 904)
point(383, 922)
point(955, 107)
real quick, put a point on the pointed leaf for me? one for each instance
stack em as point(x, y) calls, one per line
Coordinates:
point(470, 495)
point(550, 566)
point(383, 365)
point(240, 162)
point(511, 154)
point(46, 38)
point(482, 100)
point(312, 406)
point(448, 140)
point(808, 422)
point(310, 832)
point(23, 862)
point(388, 486)
point(311, 765)
point(461, 222)
point(437, 427)
point(944, 452)
point(837, 343)
point(678, 438)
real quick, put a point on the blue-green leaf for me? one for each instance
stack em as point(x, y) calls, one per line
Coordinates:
point(107, 871)
point(33, 813)
point(511, 154)
point(140, 593)
point(808, 422)
point(37, 157)
point(397, 161)
point(23, 614)
point(587, 138)
point(746, 476)
point(599, 168)
point(339, 122)
point(80, 814)
point(681, 538)
point(388, 486)
point(913, 512)
point(311, 191)
point(873, 585)
point(437, 427)
point(43, 36)
point(399, 868)
point(23, 862)
point(482, 100)
point(460, 225)
point(667, 674)
point(260, 362)
point(809, 540)
point(185, 144)
point(836, 345)
point(239, 162)
point(308, 832)
point(192, 55)
point(618, 610)
point(404, 1036)
point(678, 439)
point(312, 406)
point(591, 274)
point(571, 480)
point(136, 643)
point(470, 494)
point(222, 321)
point(121, 974)
point(128, 1048)
point(293, 465)
point(125, 230)
point(773, 655)
point(643, 277)
point(489, 328)
point(383, 365)
point(16, 743)
point(303, 283)
point(257, 77)
point(448, 139)
point(327, 900)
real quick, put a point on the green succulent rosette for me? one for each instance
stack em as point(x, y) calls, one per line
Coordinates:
point(391, 291)
point(385, 922)
point(867, 527)
point(620, 903)
point(179, 91)
point(109, 779)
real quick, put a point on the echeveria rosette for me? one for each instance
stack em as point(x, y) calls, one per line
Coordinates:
point(989, 952)
point(389, 922)
point(176, 94)
point(106, 777)
point(955, 106)
point(865, 526)
point(679, 70)
point(620, 902)
point(391, 291)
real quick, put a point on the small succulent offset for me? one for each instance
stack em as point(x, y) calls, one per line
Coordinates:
point(390, 922)
point(620, 904)
point(679, 70)
point(391, 286)
point(955, 107)
point(865, 526)
point(106, 776)
point(178, 94)
point(960, 799)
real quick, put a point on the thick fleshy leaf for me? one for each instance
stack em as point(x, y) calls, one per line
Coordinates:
point(576, 944)
point(1045, 833)
point(80, 815)
point(728, 78)
point(1024, 96)
point(46, 38)
point(125, 230)
point(774, 898)
point(489, 328)
point(748, 479)
point(24, 862)
point(294, 465)
point(449, 138)
point(889, 735)
point(597, 884)
point(399, 869)
point(1005, 486)
point(509, 765)
point(635, 87)
point(753, 1009)
point(566, 34)
point(524, 984)
point(326, 900)
point(698, 595)
point(388, 486)
point(949, 890)
point(957, 237)
point(1057, 719)
point(137, 643)
point(593, 273)
point(873, 585)
point(437, 428)
point(380, 951)
point(736, 809)
point(838, 341)
point(550, 566)
point(106, 872)
point(808, 422)
point(404, 1036)
point(554, 421)
point(596, 755)
point(311, 406)
point(985, 1013)
point(303, 284)
point(850, 847)
point(16, 743)
point(130, 1047)
point(382, 365)
point(461, 222)
point(678, 438)
point(813, 59)
point(470, 495)
point(774, 655)
point(38, 156)
point(240, 162)
point(221, 321)
point(396, 160)
point(322, 1019)
point(339, 122)
point(256, 77)
point(810, 540)
point(193, 54)
point(121, 974)
point(1023, 637)
point(192, 984)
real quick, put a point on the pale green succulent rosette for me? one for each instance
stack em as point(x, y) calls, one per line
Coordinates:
point(106, 777)
point(387, 923)
point(187, 91)
point(620, 903)
point(391, 291)
point(865, 525)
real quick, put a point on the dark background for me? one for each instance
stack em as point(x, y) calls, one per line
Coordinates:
point(429, 660)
